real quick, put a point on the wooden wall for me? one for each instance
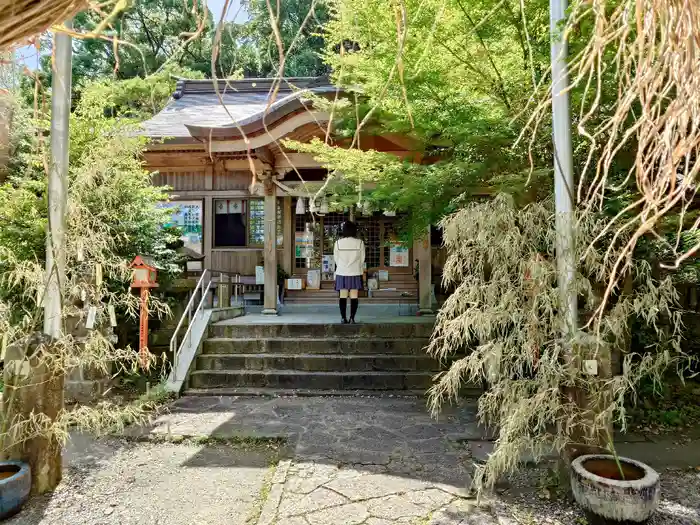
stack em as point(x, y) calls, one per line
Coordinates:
point(201, 180)
point(241, 261)
point(231, 180)
point(181, 180)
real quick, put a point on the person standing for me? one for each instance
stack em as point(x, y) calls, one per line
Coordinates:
point(349, 255)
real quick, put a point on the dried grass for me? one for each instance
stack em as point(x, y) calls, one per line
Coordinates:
point(503, 323)
point(21, 20)
point(646, 51)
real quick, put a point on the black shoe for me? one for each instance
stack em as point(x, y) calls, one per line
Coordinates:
point(352, 321)
point(344, 321)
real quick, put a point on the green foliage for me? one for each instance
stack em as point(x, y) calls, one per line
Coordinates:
point(178, 35)
point(136, 98)
point(112, 215)
point(152, 32)
point(456, 77)
point(430, 71)
point(666, 406)
point(110, 198)
point(300, 24)
point(428, 192)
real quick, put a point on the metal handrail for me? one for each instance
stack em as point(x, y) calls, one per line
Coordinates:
point(174, 347)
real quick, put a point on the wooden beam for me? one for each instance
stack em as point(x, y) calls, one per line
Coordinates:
point(402, 141)
point(175, 169)
point(296, 160)
point(274, 134)
point(177, 159)
point(190, 145)
point(265, 156)
point(304, 160)
point(243, 164)
point(209, 174)
point(208, 230)
point(219, 194)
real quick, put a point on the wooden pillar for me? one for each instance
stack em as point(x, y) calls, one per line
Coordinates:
point(288, 235)
point(208, 231)
point(422, 253)
point(270, 250)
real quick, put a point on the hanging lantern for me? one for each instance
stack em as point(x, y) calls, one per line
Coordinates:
point(365, 207)
point(301, 206)
point(324, 206)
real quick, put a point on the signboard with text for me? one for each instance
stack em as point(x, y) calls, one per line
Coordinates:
point(187, 215)
point(398, 256)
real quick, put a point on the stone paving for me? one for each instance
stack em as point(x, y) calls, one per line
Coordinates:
point(310, 314)
point(385, 461)
point(346, 461)
point(372, 461)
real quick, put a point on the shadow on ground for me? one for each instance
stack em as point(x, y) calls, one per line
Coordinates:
point(397, 433)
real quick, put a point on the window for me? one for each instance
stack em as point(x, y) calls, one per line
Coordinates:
point(229, 222)
point(241, 223)
point(256, 231)
point(369, 230)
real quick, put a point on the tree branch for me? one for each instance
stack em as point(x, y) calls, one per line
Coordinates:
point(501, 84)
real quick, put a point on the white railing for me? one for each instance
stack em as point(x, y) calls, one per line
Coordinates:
point(203, 287)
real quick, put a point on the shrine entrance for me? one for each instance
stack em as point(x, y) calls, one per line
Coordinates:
point(389, 264)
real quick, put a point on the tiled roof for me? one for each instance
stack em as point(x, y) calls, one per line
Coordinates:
point(196, 104)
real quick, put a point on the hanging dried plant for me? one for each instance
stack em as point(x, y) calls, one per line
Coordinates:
point(503, 323)
point(638, 76)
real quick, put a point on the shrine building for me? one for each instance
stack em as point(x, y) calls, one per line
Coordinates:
point(245, 202)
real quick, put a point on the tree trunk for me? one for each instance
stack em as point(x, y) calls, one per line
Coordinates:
point(5, 122)
point(32, 390)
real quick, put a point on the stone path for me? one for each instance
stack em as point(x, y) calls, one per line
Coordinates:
point(348, 461)
point(372, 461)
point(385, 461)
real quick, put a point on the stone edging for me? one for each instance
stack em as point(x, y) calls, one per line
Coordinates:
point(268, 512)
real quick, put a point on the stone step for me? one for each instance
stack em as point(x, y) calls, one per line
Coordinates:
point(304, 392)
point(295, 379)
point(322, 331)
point(318, 362)
point(331, 345)
point(382, 299)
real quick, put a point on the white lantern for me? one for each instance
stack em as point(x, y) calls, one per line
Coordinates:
point(324, 206)
point(301, 206)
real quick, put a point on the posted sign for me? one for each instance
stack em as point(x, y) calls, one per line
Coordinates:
point(398, 256)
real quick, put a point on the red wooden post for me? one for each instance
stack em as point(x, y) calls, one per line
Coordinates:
point(144, 277)
point(143, 328)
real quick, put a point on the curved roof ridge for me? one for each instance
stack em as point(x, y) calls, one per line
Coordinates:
point(281, 107)
point(248, 85)
point(198, 111)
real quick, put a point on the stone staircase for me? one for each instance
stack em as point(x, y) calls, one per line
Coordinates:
point(313, 359)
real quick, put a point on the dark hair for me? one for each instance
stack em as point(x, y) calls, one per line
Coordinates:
point(349, 229)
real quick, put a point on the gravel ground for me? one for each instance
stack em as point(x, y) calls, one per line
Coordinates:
point(111, 482)
point(119, 482)
point(527, 501)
